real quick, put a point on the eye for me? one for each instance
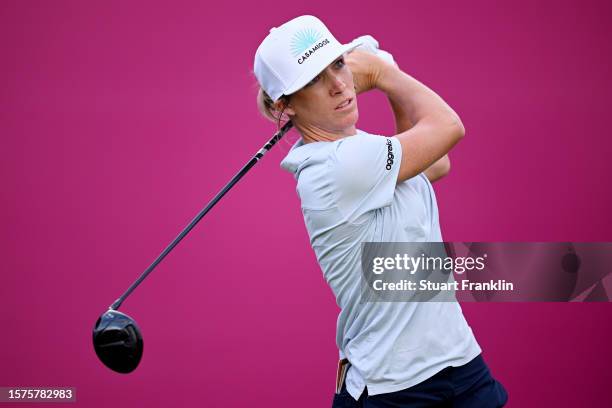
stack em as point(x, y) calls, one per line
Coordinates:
point(339, 62)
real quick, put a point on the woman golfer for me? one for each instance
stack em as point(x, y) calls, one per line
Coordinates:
point(356, 187)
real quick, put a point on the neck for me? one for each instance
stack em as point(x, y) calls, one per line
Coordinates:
point(312, 133)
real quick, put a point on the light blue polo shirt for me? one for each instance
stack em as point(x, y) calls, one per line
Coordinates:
point(349, 195)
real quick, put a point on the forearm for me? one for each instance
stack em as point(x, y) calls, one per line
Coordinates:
point(426, 126)
point(413, 102)
point(402, 123)
point(433, 128)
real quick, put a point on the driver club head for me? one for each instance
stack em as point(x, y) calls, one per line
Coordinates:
point(118, 341)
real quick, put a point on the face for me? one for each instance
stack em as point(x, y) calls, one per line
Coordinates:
point(328, 103)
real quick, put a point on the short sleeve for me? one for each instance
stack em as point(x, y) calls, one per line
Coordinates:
point(365, 170)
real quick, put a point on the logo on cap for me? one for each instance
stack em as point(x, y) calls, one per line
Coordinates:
point(303, 39)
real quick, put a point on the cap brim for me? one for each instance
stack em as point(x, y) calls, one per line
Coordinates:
point(319, 66)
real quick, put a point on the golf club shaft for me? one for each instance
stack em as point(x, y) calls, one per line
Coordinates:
point(277, 136)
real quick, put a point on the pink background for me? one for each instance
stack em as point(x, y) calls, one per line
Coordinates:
point(120, 120)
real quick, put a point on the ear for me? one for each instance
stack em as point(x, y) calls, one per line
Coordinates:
point(288, 108)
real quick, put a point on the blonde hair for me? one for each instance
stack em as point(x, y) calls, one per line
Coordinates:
point(268, 109)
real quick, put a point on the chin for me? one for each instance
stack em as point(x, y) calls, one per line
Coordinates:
point(350, 120)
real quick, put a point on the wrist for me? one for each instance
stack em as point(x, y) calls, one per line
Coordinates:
point(387, 76)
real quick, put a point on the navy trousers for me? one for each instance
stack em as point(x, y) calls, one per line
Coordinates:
point(468, 386)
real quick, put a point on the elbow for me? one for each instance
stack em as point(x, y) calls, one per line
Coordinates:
point(444, 167)
point(457, 129)
point(439, 169)
point(452, 128)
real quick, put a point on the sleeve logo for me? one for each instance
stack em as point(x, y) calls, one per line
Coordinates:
point(389, 155)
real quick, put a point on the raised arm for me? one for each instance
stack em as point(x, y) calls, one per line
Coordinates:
point(432, 128)
point(402, 123)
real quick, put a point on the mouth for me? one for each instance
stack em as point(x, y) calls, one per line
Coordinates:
point(345, 104)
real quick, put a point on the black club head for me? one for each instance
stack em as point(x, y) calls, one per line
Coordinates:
point(118, 341)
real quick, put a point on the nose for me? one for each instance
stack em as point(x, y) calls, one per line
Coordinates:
point(336, 84)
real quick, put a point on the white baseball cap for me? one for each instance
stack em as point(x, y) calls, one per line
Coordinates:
point(294, 53)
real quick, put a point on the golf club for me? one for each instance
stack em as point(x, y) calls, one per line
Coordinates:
point(116, 336)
